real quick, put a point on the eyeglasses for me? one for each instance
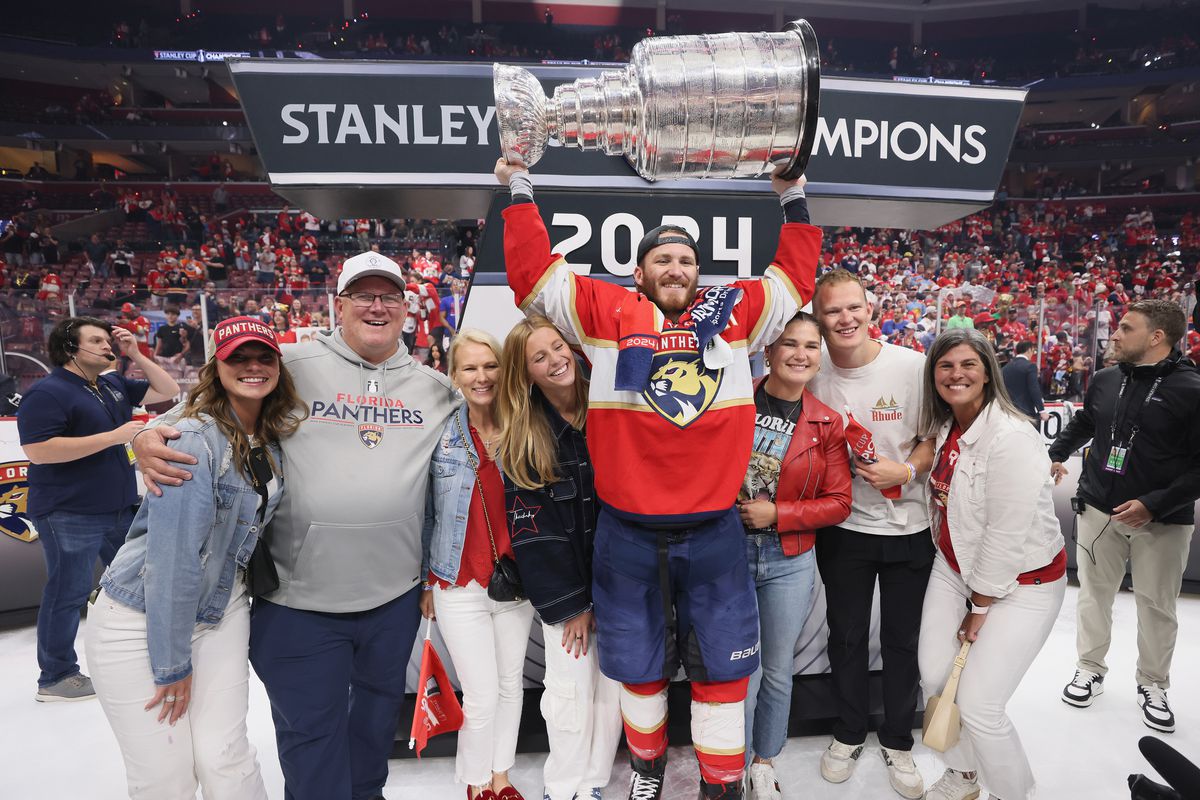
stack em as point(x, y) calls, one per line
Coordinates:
point(367, 299)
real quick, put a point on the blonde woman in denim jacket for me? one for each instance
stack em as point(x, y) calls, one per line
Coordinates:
point(168, 635)
point(486, 638)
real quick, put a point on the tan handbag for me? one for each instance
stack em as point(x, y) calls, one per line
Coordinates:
point(942, 725)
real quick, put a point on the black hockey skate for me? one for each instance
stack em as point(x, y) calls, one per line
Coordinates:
point(646, 782)
point(720, 791)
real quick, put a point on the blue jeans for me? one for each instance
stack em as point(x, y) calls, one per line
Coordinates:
point(784, 585)
point(70, 543)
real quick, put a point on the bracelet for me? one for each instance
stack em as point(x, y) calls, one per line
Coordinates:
point(979, 609)
point(912, 472)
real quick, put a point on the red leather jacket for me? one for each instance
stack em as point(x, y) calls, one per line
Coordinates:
point(814, 479)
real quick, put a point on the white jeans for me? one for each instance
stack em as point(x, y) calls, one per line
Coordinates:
point(487, 642)
point(1017, 626)
point(208, 746)
point(582, 709)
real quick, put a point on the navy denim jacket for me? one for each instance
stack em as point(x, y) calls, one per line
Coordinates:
point(180, 560)
point(553, 527)
point(448, 499)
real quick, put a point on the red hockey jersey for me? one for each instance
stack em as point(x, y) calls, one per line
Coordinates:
point(677, 451)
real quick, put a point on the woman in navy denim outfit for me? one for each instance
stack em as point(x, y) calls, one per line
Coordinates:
point(464, 520)
point(552, 509)
point(174, 599)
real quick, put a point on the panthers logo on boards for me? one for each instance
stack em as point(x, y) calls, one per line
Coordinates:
point(14, 497)
point(370, 435)
point(681, 387)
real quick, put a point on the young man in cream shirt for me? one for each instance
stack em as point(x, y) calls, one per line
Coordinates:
point(883, 540)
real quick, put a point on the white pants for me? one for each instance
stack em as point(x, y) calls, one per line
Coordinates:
point(1017, 626)
point(208, 745)
point(582, 709)
point(487, 642)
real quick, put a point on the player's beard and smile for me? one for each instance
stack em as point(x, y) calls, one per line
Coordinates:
point(669, 276)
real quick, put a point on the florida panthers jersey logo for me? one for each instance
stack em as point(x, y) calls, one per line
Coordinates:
point(681, 387)
point(370, 435)
point(14, 497)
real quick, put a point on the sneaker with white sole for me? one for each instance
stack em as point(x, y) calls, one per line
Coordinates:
point(953, 785)
point(902, 773)
point(68, 690)
point(761, 783)
point(1083, 688)
point(1156, 713)
point(838, 761)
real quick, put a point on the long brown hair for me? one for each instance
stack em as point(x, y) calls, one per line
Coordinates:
point(527, 449)
point(282, 412)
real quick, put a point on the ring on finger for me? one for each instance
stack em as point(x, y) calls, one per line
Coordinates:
point(170, 698)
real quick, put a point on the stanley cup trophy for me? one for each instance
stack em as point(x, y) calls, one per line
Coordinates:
point(728, 105)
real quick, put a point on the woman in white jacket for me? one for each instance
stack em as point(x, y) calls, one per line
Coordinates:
point(999, 576)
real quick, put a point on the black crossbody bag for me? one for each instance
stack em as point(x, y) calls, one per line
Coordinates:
point(261, 575)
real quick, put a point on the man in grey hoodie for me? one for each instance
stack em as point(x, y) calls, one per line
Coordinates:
point(345, 540)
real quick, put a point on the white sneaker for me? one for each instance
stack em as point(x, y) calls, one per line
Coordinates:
point(953, 786)
point(1156, 713)
point(902, 773)
point(761, 783)
point(1083, 688)
point(838, 760)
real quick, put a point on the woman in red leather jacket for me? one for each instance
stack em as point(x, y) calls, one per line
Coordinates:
point(798, 480)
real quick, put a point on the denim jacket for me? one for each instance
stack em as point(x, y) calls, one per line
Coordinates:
point(179, 562)
point(448, 499)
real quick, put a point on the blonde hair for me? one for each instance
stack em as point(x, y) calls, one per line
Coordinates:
point(528, 451)
point(474, 336)
point(835, 277)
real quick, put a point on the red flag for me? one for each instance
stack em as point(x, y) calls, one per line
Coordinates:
point(862, 444)
point(437, 710)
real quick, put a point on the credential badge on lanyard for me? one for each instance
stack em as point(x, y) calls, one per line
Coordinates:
point(1118, 453)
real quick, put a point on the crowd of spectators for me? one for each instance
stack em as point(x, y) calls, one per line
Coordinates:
point(1054, 273)
point(280, 266)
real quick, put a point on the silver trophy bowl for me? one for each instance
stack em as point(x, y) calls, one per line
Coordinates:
point(728, 105)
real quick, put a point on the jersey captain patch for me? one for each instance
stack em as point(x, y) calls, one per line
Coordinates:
point(681, 387)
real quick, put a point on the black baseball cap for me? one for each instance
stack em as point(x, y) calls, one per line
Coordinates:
point(666, 234)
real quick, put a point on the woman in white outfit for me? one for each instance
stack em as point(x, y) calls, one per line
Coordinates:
point(552, 510)
point(168, 634)
point(464, 532)
point(999, 576)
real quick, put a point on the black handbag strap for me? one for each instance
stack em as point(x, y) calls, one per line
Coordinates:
point(260, 478)
point(474, 462)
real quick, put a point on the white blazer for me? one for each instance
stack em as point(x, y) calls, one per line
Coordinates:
point(1000, 508)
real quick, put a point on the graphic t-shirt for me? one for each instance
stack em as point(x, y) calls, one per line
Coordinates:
point(940, 477)
point(774, 423)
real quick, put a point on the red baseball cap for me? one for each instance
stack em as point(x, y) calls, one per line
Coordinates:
point(232, 333)
point(127, 307)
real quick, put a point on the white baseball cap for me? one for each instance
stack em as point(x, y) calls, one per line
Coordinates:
point(365, 265)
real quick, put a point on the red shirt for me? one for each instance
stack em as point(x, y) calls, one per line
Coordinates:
point(940, 479)
point(476, 563)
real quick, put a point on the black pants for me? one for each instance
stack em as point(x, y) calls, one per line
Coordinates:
point(850, 563)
